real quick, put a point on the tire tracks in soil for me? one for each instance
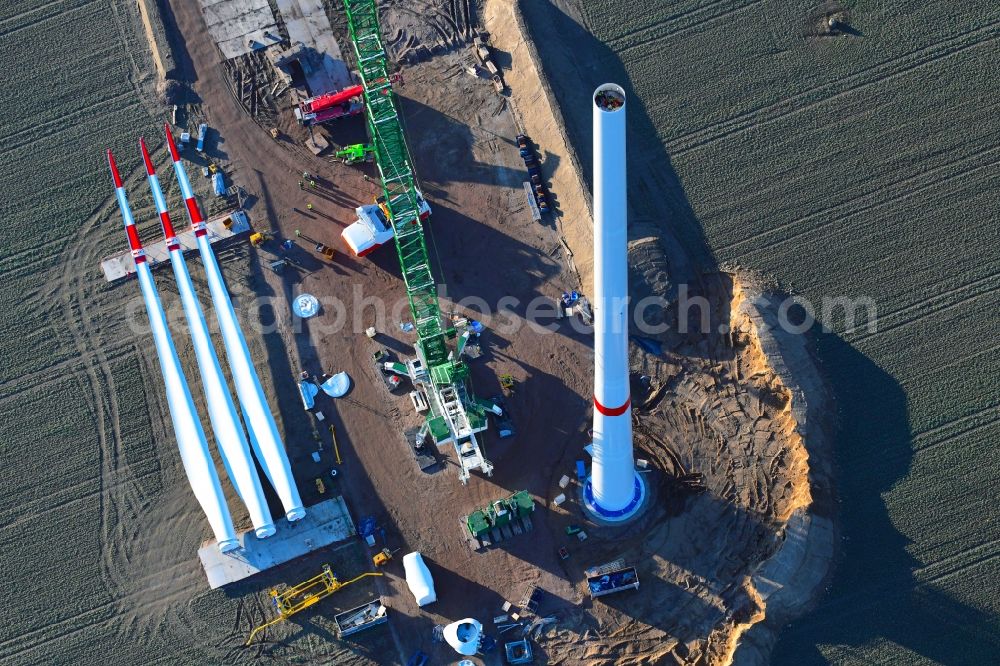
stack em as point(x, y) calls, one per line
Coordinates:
point(680, 16)
point(923, 304)
point(43, 19)
point(120, 500)
point(947, 306)
point(23, 384)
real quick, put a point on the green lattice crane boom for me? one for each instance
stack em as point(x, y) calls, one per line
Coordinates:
point(455, 415)
point(396, 169)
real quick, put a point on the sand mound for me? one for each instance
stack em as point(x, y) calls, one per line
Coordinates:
point(730, 539)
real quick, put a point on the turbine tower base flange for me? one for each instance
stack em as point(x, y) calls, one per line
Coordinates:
point(628, 512)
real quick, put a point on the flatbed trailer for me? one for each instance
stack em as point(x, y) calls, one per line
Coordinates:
point(618, 580)
point(363, 617)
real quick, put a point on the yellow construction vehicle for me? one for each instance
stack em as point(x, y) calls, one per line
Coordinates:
point(380, 200)
point(383, 556)
point(296, 599)
point(257, 238)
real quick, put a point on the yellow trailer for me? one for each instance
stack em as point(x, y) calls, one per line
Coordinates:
point(296, 599)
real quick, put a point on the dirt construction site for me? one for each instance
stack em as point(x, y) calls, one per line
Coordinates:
point(734, 421)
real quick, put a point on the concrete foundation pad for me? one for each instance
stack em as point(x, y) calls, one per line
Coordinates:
point(223, 227)
point(240, 26)
point(321, 59)
point(325, 523)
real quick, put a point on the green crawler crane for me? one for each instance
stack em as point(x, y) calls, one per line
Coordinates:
point(455, 416)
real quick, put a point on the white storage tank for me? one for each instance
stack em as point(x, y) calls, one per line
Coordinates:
point(418, 578)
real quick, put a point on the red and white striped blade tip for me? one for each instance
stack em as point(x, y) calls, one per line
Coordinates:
point(174, 155)
point(114, 169)
point(145, 158)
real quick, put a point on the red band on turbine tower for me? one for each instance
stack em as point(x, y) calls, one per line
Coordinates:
point(133, 238)
point(617, 411)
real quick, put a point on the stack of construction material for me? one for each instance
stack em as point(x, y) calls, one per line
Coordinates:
point(501, 519)
point(530, 158)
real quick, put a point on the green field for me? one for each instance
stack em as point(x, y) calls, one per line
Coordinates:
point(76, 430)
point(98, 526)
point(862, 165)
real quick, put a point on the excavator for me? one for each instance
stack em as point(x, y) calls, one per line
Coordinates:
point(355, 153)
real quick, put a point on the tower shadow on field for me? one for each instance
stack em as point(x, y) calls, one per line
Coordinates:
point(874, 595)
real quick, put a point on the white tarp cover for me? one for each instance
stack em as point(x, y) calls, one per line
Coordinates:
point(308, 390)
point(240, 26)
point(307, 23)
point(337, 385)
point(418, 579)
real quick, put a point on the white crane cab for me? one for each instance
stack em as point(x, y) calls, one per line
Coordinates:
point(372, 229)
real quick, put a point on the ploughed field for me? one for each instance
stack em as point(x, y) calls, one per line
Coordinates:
point(92, 510)
point(74, 408)
point(860, 164)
